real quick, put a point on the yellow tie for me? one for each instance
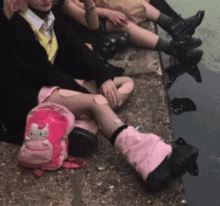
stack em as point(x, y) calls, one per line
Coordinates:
point(49, 44)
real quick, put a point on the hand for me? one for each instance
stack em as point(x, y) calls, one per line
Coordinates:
point(109, 91)
point(117, 18)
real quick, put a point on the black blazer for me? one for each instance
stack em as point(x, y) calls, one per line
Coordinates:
point(29, 69)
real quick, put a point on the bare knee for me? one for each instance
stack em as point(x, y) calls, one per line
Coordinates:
point(127, 87)
point(100, 99)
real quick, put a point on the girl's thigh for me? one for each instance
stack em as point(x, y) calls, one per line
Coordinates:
point(110, 27)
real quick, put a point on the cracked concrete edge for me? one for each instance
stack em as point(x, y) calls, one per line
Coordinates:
point(161, 72)
point(173, 61)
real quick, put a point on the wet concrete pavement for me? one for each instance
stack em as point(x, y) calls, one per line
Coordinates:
point(107, 180)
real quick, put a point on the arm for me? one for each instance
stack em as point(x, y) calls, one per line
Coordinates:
point(74, 58)
point(116, 17)
point(87, 18)
point(36, 69)
point(80, 60)
point(91, 14)
point(102, 12)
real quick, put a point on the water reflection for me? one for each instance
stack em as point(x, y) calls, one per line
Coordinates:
point(180, 105)
point(172, 72)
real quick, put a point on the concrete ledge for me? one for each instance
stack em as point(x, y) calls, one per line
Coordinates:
point(107, 180)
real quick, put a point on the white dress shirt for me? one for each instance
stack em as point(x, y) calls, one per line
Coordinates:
point(40, 24)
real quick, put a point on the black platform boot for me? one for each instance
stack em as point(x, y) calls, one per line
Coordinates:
point(182, 160)
point(197, 18)
point(180, 28)
point(82, 143)
point(165, 8)
point(188, 43)
point(186, 57)
point(189, 57)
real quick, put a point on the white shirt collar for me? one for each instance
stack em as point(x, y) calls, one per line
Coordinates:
point(37, 21)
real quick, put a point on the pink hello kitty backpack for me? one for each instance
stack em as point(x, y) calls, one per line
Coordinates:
point(45, 145)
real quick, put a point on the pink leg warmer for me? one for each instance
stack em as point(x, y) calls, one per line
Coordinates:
point(144, 152)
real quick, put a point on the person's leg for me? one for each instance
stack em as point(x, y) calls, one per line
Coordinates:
point(94, 105)
point(82, 140)
point(147, 39)
point(177, 27)
point(137, 35)
point(164, 7)
point(144, 152)
point(125, 86)
point(185, 27)
point(152, 13)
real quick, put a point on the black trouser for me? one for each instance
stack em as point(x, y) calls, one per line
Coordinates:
point(94, 37)
point(16, 103)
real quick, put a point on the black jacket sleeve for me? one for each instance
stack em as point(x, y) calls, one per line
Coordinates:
point(31, 59)
point(76, 58)
point(35, 67)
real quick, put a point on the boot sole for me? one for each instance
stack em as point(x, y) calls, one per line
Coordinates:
point(183, 35)
point(158, 180)
point(189, 47)
point(185, 164)
point(83, 143)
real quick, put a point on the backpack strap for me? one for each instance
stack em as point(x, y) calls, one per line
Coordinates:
point(74, 162)
point(38, 172)
point(70, 162)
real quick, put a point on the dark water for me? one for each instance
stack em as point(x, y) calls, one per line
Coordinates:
point(195, 104)
point(200, 127)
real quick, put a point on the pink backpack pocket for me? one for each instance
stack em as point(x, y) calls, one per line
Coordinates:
point(45, 145)
point(36, 152)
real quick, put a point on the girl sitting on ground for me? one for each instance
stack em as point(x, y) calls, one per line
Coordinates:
point(89, 28)
point(28, 83)
point(84, 134)
point(126, 15)
point(83, 22)
point(42, 51)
